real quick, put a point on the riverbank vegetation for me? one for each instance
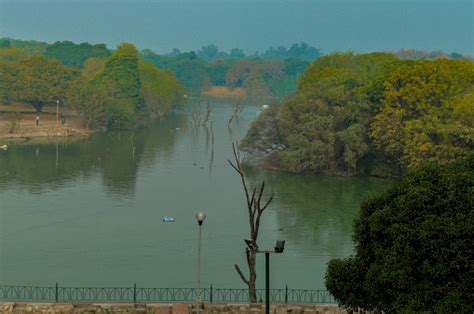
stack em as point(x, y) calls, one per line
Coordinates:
point(115, 90)
point(271, 73)
point(413, 245)
point(369, 113)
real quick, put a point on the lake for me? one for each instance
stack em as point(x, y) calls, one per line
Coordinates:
point(89, 212)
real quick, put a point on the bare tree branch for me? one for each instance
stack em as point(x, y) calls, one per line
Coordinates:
point(255, 211)
point(237, 268)
point(234, 166)
point(208, 112)
point(267, 203)
point(261, 192)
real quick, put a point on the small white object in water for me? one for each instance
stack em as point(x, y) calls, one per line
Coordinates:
point(177, 129)
point(4, 147)
point(168, 219)
point(264, 107)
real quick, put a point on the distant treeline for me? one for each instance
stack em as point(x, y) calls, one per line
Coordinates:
point(370, 113)
point(119, 88)
point(272, 73)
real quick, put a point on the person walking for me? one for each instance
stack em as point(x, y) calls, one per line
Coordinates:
point(37, 119)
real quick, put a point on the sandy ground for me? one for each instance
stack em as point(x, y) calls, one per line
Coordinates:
point(18, 121)
point(223, 92)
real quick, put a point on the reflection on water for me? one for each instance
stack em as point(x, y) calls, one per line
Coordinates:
point(89, 213)
point(115, 156)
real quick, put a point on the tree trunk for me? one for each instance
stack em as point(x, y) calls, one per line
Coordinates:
point(255, 211)
point(38, 106)
point(252, 278)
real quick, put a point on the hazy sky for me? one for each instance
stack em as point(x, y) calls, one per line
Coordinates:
point(357, 25)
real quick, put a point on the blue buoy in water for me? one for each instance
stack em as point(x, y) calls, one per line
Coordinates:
point(168, 219)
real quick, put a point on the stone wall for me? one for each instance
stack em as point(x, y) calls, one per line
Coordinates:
point(160, 308)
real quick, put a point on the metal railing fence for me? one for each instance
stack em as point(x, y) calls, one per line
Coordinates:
point(139, 295)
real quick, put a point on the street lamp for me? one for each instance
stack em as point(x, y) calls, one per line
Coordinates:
point(57, 112)
point(200, 217)
point(279, 247)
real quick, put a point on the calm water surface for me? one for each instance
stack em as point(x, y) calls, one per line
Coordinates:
point(89, 213)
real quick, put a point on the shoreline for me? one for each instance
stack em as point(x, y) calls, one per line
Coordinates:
point(45, 132)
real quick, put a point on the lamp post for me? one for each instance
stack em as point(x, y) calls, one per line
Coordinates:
point(279, 247)
point(57, 112)
point(200, 217)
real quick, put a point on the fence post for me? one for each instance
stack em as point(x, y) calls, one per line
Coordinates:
point(210, 294)
point(56, 293)
point(286, 294)
point(134, 293)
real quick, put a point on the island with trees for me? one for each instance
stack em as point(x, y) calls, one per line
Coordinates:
point(369, 114)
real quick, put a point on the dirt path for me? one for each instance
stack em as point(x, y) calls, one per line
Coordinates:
point(18, 121)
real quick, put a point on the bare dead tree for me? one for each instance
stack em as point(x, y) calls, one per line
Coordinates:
point(235, 115)
point(255, 211)
point(208, 112)
point(211, 160)
point(196, 114)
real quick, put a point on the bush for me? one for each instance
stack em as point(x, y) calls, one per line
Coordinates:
point(414, 247)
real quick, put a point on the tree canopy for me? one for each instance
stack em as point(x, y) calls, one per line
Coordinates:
point(160, 89)
point(117, 91)
point(421, 117)
point(75, 55)
point(37, 81)
point(373, 113)
point(413, 245)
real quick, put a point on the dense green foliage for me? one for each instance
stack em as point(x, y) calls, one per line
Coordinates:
point(427, 112)
point(373, 113)
point(75, 55)
point(116, 92)
point(37, 81)
point(33, 47)
point(273, 73)
point(413, 245)
point(301, 51)
point(325, 124)
point(121, 78)
point(160, 89)
point(415, 54)
point(190, 71)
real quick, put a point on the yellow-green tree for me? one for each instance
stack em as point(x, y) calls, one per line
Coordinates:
point(427, 113)
point(37, 81)
point(121, 78)
point(326, 124)
point(13, 54)
point(90, 101)
point(10, 78)
point(161, 91)
point(92, 67)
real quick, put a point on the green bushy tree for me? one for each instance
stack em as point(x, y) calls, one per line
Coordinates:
point(121, 78)
point(326, 124)
point(421, 115)
point(37, 81)
point(75, 55)
point(414, 247)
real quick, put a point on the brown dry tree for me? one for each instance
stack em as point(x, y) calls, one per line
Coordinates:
point(237, 110)
point(255, 211)
point(208, 113)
